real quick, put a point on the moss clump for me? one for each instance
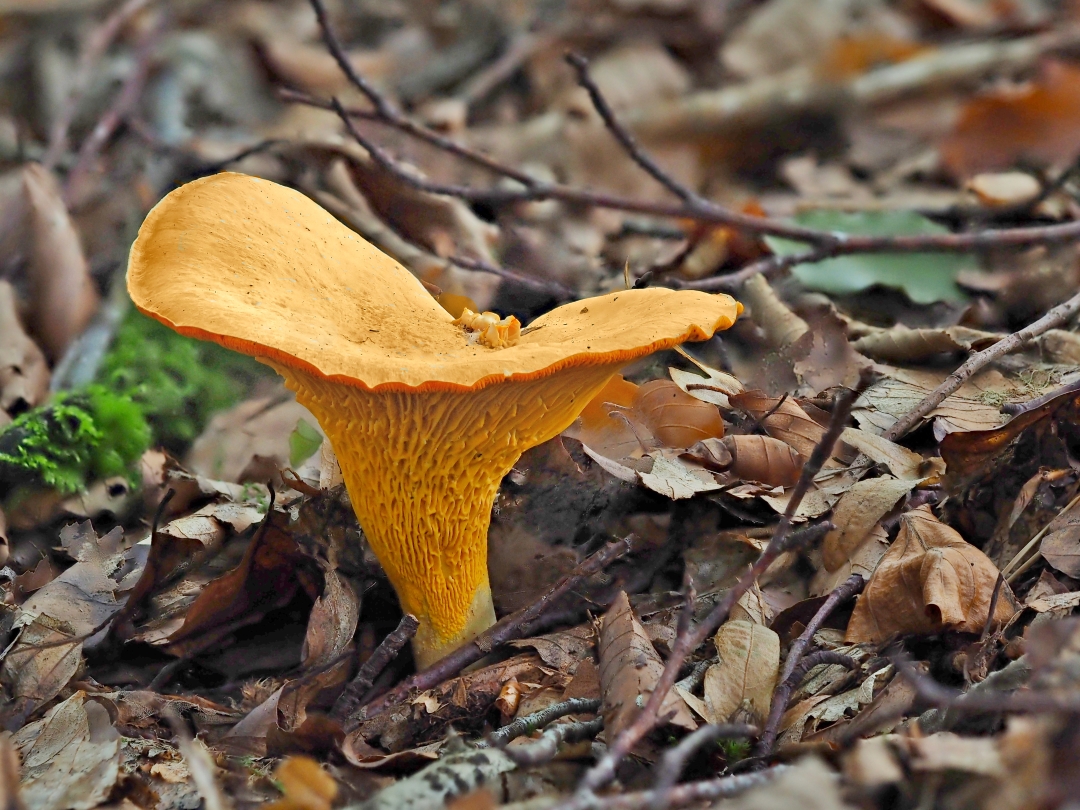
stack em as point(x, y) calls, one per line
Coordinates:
point(178, 382)
point(78, 436)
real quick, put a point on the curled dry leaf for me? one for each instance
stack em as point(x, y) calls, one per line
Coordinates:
point(332, 623)
point(24, 374)
point(785, 421)
point(856, 514)
point(751, 458)
point(746, 675)
point(930, 580)
point(629, 670)
point(62, 295)
point(862, 561)
point(902, 344)
point(674, 417)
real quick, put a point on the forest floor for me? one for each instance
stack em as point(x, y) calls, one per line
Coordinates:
point(828, 558)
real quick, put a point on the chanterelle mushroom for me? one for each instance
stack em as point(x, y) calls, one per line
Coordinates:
point(425, 419)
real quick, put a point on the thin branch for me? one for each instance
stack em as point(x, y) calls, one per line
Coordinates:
point(506, 629)
point(122, 105)
point(675, 759)
point(350, 699)
point(96, 44)
point(690, 793)
point(524, 726)
point(560, 291)
point(628, 142)
point(547, 747)
point(853, 585)
point(1054, 318)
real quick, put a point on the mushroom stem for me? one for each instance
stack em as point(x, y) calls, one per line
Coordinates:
point(423, 469)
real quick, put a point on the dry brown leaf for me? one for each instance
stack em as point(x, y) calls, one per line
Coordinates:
point(63, 298)
point(1061, 543)
point(1036, 121)
point(863, 561)
point(746, 675)
point(677, 479)
point(74, 761)
point(24, 374)
point(715, 387)
point(332, 623)
point(786, 420)
point(902, 463)
point(857, 513)
point(902, 344)
point(764, 459)
point(780, 325)
point(930, 580)
point(629, 669)
point(675, 418)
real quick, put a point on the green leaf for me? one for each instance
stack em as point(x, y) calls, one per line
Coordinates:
point(925, 277)
point(303, 442)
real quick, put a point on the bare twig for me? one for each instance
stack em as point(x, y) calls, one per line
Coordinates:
point(532, 722)
point(998, 585)
point(675, 759)
point(546, 748)
point(389, 114)
point(506, 629)
point(554, 288)
point(707, 790)
point(122, 105)
point(96, 45)
point(349, 700)
point(853, 585)
point(1054, 318)
point(628, 142)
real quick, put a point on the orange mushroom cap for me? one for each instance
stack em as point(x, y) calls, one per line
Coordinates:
point(424, 420)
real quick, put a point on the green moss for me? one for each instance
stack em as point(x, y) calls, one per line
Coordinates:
point(78, 436)
point(178, 382)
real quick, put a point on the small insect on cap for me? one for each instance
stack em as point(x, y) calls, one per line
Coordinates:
point(425, 413)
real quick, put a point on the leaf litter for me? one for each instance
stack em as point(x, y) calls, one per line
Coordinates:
point(187, 593)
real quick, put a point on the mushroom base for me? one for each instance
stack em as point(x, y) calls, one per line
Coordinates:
point(423, 470)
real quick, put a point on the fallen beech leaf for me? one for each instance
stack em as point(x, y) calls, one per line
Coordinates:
point(676, 479)
point(63, 298)
point(902, 344)
point(856, 514)
point(1061, 543)
point(862, 561)
point(715, 387)
point(629, 670)
point(74, 762)
point(675, 418)
point(786, 421)
point(1004, 188)
point(780, 325)
point(746, 675)
point(930, 580)
point(24, 374)
point(902, 463)
point(1036, 121)
point(764, 459)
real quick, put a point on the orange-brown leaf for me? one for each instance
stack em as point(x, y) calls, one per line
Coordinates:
point(930, 580)
point(675, 418)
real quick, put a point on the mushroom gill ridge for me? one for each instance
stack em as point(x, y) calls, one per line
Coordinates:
point(422, 471)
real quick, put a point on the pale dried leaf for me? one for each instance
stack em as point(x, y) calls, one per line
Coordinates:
point(902, 463)
point(747, 672)
point(332, 623)
point(630, 669)
point(856, 514)
point(676, 479)
point(863, 561)
point(75, 761)
point(902, 344)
